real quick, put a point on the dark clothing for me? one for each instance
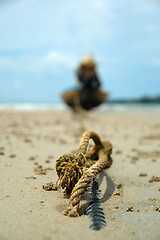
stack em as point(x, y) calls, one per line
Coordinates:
point(89, 98)
point(88, 78)
point(88, 95)
point(85, 98)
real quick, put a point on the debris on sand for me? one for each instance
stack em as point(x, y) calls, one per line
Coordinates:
point(154, 179)
point(50, 186)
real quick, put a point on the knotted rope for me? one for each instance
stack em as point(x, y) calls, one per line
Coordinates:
point(70, 168)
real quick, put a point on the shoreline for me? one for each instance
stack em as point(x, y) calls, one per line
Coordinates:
point(104, 108)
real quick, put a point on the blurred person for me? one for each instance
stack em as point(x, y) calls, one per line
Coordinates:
point(86, 73)
point(88, 95)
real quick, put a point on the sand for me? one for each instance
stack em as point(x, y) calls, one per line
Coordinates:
point(129, 190)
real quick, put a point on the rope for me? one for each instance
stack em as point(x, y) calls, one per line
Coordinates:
point(70, 169)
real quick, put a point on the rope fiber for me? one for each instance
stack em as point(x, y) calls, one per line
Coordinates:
point(72, 173)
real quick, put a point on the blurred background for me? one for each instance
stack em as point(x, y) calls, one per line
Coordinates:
point(42, 42)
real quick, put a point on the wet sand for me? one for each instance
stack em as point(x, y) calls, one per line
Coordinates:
point(30, 144)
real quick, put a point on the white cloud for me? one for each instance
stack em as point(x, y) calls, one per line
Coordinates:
point(118, 33)
point(148, 45)
point(3, 62)
point(58, 58)
point(6, 62)
point(155, 61)
point(36, 23)
point(52, 61)
point(17, 84)
point(153, 27)
point(146, 7)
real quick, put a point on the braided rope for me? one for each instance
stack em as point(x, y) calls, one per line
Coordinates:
point(85, 140)
point(70, 168)
point(85, 181)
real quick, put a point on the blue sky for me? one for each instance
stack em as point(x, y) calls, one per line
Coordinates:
point(42, 42)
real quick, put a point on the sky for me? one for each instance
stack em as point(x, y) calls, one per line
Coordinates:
point(42, 43)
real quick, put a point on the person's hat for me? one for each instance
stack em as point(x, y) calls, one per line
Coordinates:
point(88, 61)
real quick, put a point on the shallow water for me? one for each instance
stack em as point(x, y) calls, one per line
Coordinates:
point(104, 108)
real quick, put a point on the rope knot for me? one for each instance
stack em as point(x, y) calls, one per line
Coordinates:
point(69, 171)
point(70, 168)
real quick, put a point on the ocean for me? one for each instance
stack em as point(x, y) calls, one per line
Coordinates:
point(104, 108)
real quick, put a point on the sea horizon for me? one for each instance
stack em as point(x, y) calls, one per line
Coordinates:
point(107, 107)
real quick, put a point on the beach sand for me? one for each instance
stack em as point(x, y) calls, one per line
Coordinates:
point(130, 195)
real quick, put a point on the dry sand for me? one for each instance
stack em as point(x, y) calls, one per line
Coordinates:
point(130, 197)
